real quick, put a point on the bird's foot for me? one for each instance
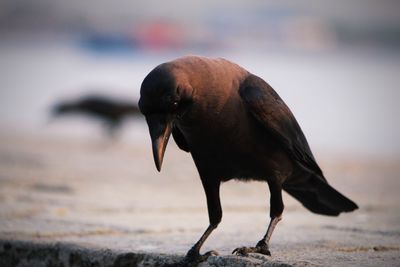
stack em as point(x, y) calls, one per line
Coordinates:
point(261, 248)
point(193, 257)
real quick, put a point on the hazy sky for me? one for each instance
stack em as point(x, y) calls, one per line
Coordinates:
point(122, 12)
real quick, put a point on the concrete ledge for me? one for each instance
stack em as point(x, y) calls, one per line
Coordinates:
point(65, 202)
point(25, 253)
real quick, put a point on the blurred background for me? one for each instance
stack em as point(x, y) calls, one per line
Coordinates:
point(92, 179)
point(336, 65)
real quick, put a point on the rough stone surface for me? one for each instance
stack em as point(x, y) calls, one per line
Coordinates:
point(22, 253)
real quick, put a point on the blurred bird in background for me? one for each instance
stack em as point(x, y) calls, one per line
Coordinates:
point(110, 111)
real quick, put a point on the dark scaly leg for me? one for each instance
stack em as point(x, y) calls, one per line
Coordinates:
point(215, 215)
point(276, 210)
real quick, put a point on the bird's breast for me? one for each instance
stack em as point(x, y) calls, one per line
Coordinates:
point(227, 146)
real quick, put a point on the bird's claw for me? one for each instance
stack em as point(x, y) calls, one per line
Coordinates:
point(242, 251)
point(261, 248)
point(193, 257)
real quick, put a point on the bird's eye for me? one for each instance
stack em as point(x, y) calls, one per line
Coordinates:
point(175, 105)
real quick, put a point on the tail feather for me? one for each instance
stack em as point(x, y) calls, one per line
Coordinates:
point(319, 197)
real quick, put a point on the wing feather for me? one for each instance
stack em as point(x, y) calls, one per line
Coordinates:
point(269, 110)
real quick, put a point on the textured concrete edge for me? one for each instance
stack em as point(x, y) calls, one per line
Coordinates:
point(29, 253)
point(21, 253)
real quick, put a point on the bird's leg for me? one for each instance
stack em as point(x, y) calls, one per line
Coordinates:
point(276, 215)
point(263, 245)
point(193, 255)
point(112, 127)
point(215, 215)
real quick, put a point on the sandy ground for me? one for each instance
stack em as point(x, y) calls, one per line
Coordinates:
point(104, 194)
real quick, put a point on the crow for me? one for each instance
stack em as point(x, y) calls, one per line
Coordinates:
point(112, 112)
point(235, 126)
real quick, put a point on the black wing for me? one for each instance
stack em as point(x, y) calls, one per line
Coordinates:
point(180, 139)
point(270, 110)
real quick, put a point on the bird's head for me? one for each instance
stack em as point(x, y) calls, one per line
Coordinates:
point(62, 108)
point(165, 96)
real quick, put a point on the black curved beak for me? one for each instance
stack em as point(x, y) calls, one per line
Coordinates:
point(160, 127)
